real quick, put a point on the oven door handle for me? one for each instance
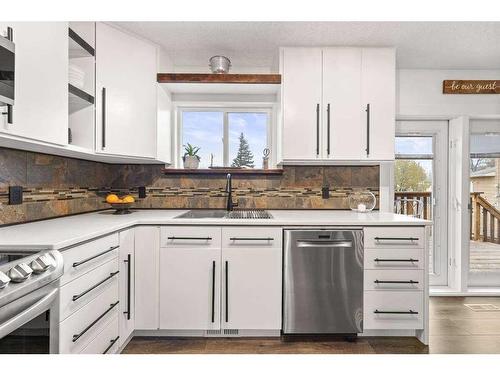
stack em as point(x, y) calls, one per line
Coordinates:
point(28, 314)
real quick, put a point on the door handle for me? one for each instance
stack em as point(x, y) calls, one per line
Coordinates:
point(76, 264)
point(333, 244)
point(111, 343)
point(8, 113)
point(103, 128)
point(227, 291)
point(111, 307)
point(76, 297)
point(213, 291)
point(368, 129)
point(317, 129)
point(328, 129)
point(409, 312)
point(129, 276)
point(395, 282)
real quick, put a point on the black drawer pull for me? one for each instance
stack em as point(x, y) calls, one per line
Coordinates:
point(190, 238)
point(111, 343)
point(395, 282)
point(409, 312)
point(213, 291)
point(78, 296)
point(77, 336)
point(227, 291)
point(76, 264)
point(396, 239)
point(396, 260)
point(251, 239)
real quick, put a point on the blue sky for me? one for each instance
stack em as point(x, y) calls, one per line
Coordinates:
point(205, 130)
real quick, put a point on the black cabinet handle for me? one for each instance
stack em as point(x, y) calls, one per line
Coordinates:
point(396, 260)
point(129, 274)
point(317, 129)
point(76, 297)
point(409, 312)
point(111, 343)
point(411, 239)
point(8, 113)
point(10, 34)
point(77, 336)
point(395, 282)
point(251, 239)
point(190, 238)
point(227, 291)
point(328, 129)
point(367, 129)
point(103, 128)
point(76, 264)
point(213, 291)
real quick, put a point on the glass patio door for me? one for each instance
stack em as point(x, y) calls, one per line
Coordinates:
point(421, 184)
point(484, 162)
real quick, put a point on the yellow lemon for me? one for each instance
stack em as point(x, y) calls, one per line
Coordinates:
point(112, 198)
point(128, 199)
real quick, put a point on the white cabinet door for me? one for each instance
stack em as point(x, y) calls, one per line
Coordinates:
point(147, 249)
point(40, 110)
point(301, 99)
point(251, 288)
point(190, 288)
point(127, 285)
point(126, 97)
point(378, 90)
point(342, 129)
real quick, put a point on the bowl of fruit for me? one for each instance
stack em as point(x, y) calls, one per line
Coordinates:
point(121, 205)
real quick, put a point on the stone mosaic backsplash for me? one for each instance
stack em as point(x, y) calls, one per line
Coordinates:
point(56, 186)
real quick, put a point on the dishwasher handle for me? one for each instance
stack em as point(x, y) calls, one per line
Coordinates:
point(331, 244)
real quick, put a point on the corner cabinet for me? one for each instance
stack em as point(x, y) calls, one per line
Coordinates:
point(40, 110)
point(340, 102)
point(126, 94)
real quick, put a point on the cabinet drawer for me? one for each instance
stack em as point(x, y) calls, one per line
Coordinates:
point(83, 258)
point(190, 237)
point(251, 237)
point(393, 310)
point(81, 291)
point(393, 259)
point(106, 341)
point(80, 328)
point(394, 237)
point(394, 279)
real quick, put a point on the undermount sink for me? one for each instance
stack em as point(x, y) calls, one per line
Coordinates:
point(222, 214)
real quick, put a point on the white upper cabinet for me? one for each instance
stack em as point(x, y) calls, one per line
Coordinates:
point(341, 103)
point(301, 74)
point(378, 90)
point(126, 96)
point(354, 91)
point(40, 110)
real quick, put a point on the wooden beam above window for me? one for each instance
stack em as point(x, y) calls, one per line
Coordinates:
point(251, 79)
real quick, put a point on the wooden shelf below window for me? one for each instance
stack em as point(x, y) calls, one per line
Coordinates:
point(251, 79)
point(221, 171)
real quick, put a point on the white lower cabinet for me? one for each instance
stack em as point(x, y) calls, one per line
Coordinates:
point(190, 288)
point(147, 250)
point(206, 286)
point(127, 284)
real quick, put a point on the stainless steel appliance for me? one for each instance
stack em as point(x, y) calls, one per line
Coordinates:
point(7, 66)
point(28, 301)
point(323, 281)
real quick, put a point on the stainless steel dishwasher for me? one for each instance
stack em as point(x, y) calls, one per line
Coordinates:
point(323, 281)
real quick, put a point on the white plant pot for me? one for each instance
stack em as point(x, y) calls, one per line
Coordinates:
point(191, 162)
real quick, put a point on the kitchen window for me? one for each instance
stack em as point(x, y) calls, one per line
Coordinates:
point(226, 137)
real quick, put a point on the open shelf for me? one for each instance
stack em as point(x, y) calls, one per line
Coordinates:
point(78, 99)
point(248, 79)
point(215, 171)
point(79, 47)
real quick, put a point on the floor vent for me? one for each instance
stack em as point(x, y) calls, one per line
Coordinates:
point(231, 332)
point(482, 307)
point(213, 332)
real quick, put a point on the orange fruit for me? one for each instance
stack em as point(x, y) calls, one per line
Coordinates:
point(112, 198)
point(128, 199)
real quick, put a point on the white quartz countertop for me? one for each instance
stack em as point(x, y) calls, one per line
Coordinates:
point(67, 231)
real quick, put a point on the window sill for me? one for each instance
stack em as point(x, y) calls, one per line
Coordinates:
point(220, 171)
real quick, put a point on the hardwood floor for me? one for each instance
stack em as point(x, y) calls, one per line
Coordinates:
point(454, 328)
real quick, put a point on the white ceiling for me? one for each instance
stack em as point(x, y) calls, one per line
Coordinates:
point(434, 45)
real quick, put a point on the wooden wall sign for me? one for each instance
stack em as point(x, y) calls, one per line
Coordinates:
point(471, 87)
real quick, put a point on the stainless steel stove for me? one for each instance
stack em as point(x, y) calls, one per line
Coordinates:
point(29, 288)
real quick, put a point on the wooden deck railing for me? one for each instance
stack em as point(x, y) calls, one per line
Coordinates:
point(485, 220)
point(407, 206)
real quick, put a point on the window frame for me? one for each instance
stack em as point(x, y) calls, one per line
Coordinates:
point(225, 108)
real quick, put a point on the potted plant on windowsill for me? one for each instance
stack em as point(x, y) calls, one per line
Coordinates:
point(191, 159)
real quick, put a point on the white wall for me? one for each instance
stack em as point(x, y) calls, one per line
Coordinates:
point(419, 93)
